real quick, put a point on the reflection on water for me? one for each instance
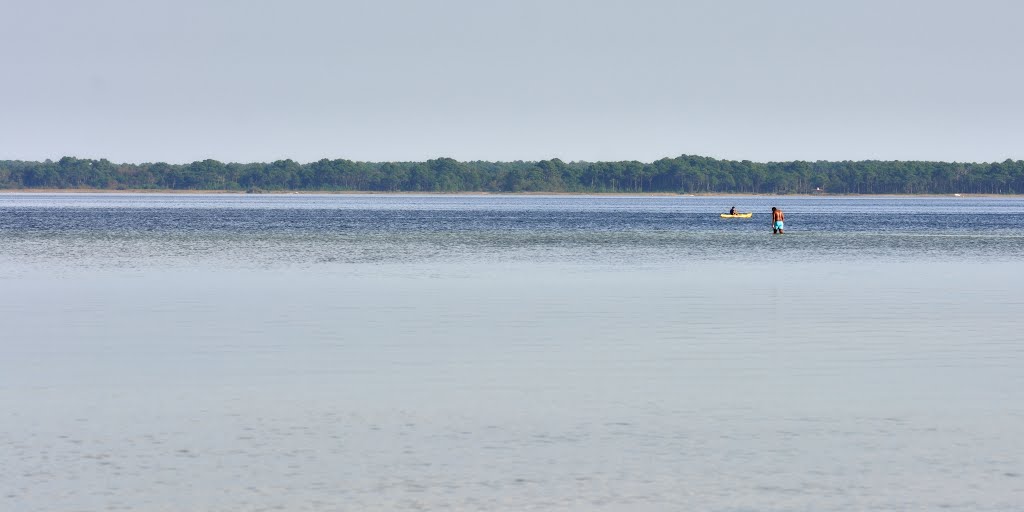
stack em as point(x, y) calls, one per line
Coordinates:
point(565, 353)
point(181, 231)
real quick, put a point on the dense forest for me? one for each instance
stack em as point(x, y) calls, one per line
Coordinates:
point(684, 174)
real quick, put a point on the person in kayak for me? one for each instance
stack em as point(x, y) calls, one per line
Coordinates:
point(777, 221)
point(732, 211)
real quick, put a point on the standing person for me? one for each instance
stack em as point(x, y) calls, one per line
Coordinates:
point(777, 221)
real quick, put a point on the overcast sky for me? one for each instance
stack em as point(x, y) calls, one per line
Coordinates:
point(183, 80)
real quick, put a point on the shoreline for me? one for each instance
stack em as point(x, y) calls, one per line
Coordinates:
point(468, 193)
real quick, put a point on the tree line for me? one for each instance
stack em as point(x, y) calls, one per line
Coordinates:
point(683, 174)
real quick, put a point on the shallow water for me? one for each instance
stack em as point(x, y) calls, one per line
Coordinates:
point(507, 353)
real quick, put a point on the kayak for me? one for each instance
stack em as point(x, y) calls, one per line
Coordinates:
point(737, 216)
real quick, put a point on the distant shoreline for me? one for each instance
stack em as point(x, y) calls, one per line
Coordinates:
point(668, 176)
point(467, 193)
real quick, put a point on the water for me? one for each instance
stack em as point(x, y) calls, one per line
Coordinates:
point(345, 352)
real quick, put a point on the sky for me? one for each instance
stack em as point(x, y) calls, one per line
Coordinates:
point(409, 80)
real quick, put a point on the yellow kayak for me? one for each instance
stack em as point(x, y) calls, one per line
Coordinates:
point(737, 216)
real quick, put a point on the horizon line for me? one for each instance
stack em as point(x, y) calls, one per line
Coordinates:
point(683, 155)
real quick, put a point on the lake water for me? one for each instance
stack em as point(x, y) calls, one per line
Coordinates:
point(367, 352)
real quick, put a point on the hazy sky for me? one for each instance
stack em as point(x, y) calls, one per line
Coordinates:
point(182, 80)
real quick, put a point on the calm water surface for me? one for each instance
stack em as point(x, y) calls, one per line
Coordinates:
point(348, 352)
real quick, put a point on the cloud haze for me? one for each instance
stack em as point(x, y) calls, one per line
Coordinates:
point(580, 80)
